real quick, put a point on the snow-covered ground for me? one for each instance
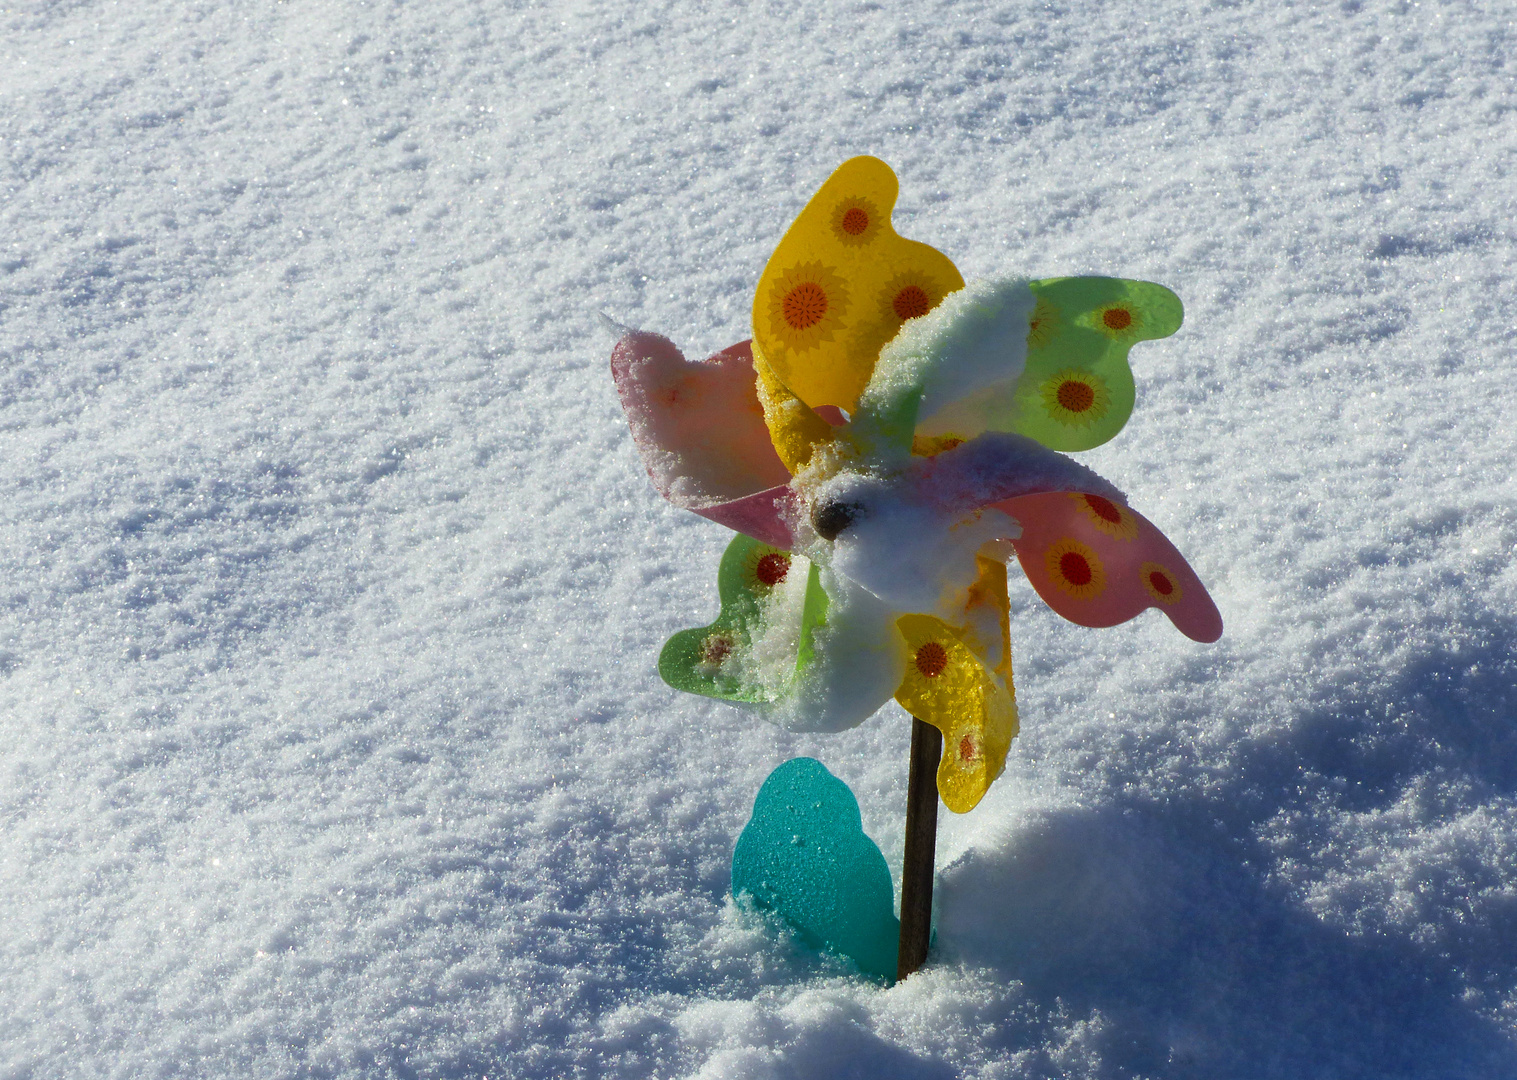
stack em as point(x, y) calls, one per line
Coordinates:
point(331, 585)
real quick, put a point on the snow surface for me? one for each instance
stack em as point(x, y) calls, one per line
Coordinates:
point(331, 586)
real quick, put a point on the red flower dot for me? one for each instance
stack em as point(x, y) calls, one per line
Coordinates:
point(1104, 509)
point(1116, 318)
point(911, 303)
point(1075, 395)
point(1075, 569)
point(715, 649)
point(804, 305)
point(1162, 585)
point(966, 749)
point(855, 221)
point(931, 659)
point(772, 568)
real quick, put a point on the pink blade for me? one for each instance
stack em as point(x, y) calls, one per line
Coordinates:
point(760, 516)
point(1099, 563)
point(996, 467)
point(699, 427)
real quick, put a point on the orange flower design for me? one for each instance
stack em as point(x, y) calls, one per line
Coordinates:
point(856, 221)
point(806, 306)
point(908, 296)
point(1111, 518)
point(767, 567)
point(1042, 324)
point(1160, 582)
point(931, 659)
point(1076, 398)
point(1120, 321)
point(1076, 569)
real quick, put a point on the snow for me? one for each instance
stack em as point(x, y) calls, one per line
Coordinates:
point(331, 584)
point(856, 661)
point(913, 555)
point(968, 343)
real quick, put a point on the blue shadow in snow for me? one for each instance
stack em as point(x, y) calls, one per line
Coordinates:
point(1158, 914)
point(1198, 970)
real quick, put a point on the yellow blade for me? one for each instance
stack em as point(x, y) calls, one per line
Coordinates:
point(958, 679)
point(841, 284)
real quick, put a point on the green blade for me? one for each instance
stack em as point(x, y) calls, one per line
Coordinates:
point(1077, 389)
point(718, 660)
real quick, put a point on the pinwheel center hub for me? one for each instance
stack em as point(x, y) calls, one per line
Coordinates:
point(829, 519)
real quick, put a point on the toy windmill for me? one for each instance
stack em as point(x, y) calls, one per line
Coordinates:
point(882, 446)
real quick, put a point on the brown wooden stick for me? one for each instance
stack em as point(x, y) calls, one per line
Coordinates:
point(921, 847)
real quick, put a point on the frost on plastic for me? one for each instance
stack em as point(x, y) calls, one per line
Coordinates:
point(952, 371)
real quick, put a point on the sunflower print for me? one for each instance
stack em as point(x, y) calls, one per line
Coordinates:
point(1075, 568)
point(1042, 324)
point(714, 650)
point(765, 567)
point(1121, 321)
point(1075, 398)
point(901, 298)
point(907, 296)
point(1161, 583)
point(806, 306)
point(1111, 518)
point(856, 221)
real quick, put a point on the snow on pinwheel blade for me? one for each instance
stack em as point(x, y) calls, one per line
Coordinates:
point(332, 584)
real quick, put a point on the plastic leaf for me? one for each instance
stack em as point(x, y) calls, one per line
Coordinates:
point(700, 431)
point(698, 426)
point(805, 856)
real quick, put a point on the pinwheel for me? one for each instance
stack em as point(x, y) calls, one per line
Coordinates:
point(882, 446)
